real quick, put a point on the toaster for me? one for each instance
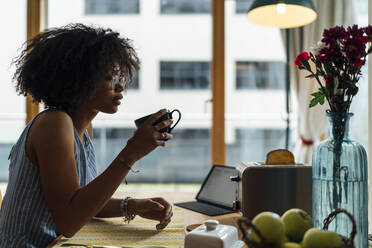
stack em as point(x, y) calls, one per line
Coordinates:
point(273, 188)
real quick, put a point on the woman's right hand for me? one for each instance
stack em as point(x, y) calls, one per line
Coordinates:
point(146, 138)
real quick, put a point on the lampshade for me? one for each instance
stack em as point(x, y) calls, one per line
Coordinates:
point(282, 13)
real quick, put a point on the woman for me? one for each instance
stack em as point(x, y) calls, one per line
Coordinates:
point(76, 71)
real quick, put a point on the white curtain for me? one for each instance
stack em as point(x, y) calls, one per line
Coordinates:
point(312, 123)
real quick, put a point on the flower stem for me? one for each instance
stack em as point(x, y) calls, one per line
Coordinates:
point(323, 89)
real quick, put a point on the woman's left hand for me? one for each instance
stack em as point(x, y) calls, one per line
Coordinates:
point(152, 208)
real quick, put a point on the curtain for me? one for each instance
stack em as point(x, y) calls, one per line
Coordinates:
point(312, 123)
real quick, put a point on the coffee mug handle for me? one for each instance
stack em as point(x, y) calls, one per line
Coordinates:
point(179, 118)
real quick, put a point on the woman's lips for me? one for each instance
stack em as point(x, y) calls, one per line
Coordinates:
point(116, 100)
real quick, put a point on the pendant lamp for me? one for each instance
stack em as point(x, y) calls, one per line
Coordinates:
point(282, 13)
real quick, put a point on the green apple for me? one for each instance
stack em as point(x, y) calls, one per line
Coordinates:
point(296, 223)
point(271, 227)
point(291, 245)
point(284, 239)
point(315, 238)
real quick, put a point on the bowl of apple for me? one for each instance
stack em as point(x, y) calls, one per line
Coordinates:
point(294, 229)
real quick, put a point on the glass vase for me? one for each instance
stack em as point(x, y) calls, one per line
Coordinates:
point(340, 180)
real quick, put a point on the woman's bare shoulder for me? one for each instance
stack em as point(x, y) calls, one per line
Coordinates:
point(48, 132)
point(52, 122)
point(54, 115)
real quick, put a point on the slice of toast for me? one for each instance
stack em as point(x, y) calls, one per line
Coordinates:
point(280, 157)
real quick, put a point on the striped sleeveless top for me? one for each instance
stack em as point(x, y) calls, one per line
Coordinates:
point(25, 219)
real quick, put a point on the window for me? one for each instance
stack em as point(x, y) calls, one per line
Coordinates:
point(184, 75)
point(256, 142)
point(103, 7)
point(260, 75)
point(185, 6)
point(184, 159)
point(242, 6)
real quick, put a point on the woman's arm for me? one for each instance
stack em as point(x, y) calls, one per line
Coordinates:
point(52, 141)
point(111, 209)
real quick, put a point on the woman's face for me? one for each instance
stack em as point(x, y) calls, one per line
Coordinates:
point(108, 94)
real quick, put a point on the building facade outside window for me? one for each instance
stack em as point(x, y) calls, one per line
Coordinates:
point(260, 75)
point(183, 160)
point(242, 6)
point(257, 142)
point(185, 6)
point(184, 75)
point(109, 7)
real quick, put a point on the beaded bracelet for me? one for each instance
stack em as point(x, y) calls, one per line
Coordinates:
point(124, 209)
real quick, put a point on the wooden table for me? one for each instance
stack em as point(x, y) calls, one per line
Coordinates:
point(189, 217)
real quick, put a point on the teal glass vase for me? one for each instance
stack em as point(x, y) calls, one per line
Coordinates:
point(340, 180)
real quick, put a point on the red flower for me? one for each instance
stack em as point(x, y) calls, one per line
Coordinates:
point(301, 57)
point(358, 63)
point(355, 30)
point(354, 48)
point(321, 57)
point(335, 65)
point(362, 38)
point(330, 36)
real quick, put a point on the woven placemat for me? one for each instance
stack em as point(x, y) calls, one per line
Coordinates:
point(139, 232)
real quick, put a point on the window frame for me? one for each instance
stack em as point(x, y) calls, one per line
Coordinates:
point(218, 143)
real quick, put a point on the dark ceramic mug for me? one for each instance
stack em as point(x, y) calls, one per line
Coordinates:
point(166, 116)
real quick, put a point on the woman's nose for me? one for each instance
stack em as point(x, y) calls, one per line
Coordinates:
point(119, 87)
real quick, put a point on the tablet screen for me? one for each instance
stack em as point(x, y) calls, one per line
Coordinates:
point(218, 188)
